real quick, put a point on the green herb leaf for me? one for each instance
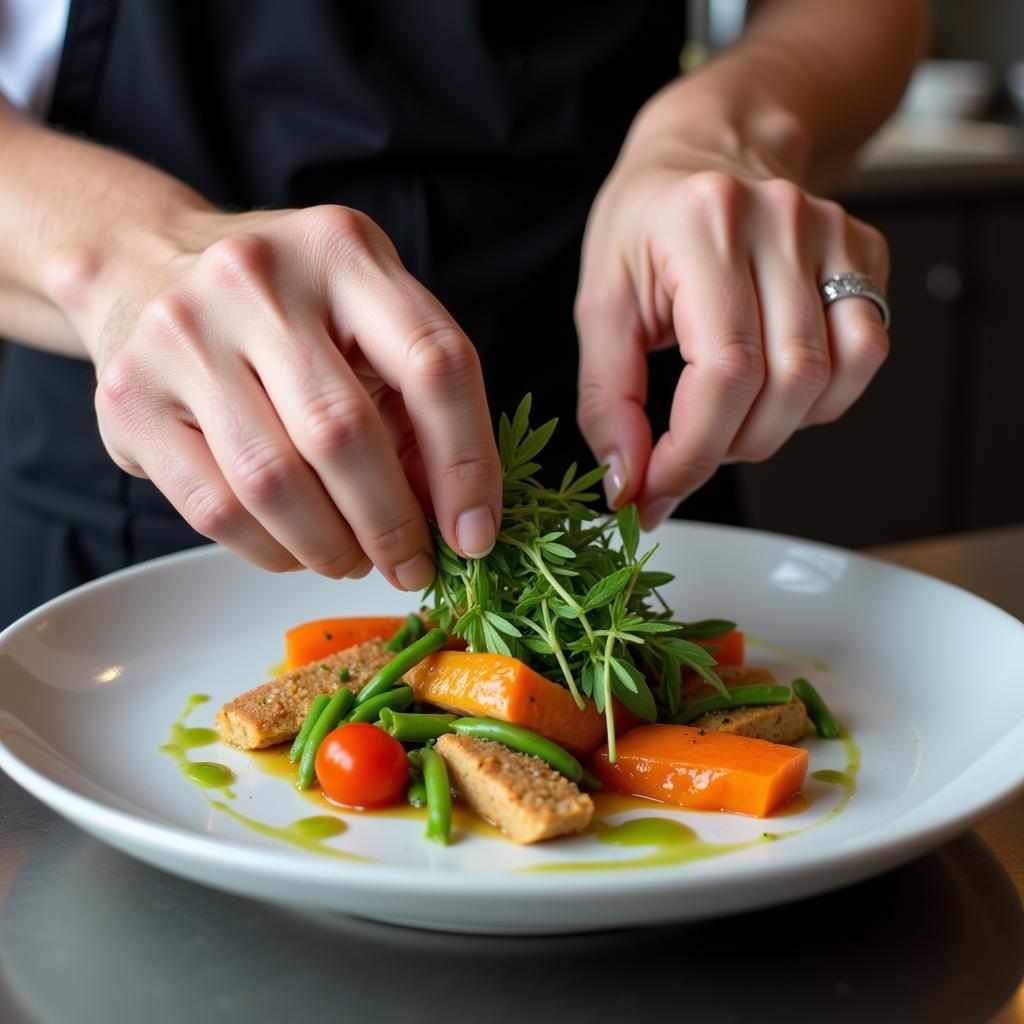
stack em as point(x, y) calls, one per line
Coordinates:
point(604, 590)
point(535, 441)
point(706, 629)
point(641, 703)
point(502, 625)
point(521, 420)
point(561, 589)
point(629, 530)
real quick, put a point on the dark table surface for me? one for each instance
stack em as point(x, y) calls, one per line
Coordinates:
point(88, 934)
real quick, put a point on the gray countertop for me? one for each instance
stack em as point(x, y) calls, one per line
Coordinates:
point(914, 159)
point(89, 935)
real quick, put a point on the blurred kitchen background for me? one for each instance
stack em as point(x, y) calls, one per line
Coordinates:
point(935, 445)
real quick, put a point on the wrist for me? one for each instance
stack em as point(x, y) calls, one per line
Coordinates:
point(115, 271)
point(710, 117)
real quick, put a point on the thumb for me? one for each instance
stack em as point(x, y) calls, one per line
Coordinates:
point(612, 392)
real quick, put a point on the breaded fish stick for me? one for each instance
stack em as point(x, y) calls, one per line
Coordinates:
point(777, 723)
point(526, 798)
point(274, 712)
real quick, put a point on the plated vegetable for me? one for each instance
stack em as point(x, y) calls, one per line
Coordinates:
point(502, 687)
point(314, 641)
point(704, 771)
point(570, 649)
point(359, 765)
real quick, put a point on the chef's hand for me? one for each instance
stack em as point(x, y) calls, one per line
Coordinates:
point(707, 247)
point(294, 392)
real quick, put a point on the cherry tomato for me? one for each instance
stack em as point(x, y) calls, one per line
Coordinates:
point(362, 766)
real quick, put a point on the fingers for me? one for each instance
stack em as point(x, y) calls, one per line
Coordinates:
point(176, 458)
point(442, 385)
point(291, 460)
point(416, 347)
point(798, 364)
point(715, 314)
point(265, 471)
point(612, 388)
point(337, 430)
point(858, 340)
point(742, 263)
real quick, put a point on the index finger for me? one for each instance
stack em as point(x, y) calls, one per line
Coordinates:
point(415, 345)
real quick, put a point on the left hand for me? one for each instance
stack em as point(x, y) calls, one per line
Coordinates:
point(723, 257)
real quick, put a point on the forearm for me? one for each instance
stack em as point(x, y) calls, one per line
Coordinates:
point(804, 87)
point(71, 214)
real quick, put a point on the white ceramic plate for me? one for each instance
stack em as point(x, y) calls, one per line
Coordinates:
point(928, 679)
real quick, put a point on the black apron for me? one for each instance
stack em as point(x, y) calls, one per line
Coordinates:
point(475, 134)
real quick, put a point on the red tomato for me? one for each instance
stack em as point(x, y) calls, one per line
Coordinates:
point(362, 766)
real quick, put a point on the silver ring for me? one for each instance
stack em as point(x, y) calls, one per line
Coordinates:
point(859, 286)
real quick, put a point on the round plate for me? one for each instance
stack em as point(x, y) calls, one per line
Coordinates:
point(928, 679)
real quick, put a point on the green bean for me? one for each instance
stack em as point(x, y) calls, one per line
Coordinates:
point(411, 629)
point(312, 715)
point(739, 697)
point(331, 715)
point(590, 782)
point(416, 793)
point(408, 728)
point(817, 710)
point(397, 699)
point(393, 671)
point(439, 796)
point(523, 740)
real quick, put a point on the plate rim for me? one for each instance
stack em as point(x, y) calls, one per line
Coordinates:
point(893, 844)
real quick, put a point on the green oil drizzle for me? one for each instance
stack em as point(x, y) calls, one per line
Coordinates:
point(847, 779)
point(208, 774)
point(787, 652)
point(672, 843)
point(306, 833)
point(832, 777)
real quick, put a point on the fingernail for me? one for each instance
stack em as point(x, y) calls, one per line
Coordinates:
point(615, 480)
point(417, 572)
point(654, 512)
point(474, 530)
point(361, 570)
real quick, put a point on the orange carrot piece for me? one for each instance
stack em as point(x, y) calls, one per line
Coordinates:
point(314, 640)
point(712, 772)
point(730, 647)
point(496, 686)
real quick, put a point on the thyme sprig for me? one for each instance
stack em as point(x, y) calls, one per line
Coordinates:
point(563, 593)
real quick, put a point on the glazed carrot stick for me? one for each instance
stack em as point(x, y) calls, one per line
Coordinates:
point(496, 686)
point(710, 772)
point(730, 647)
point(314, 640)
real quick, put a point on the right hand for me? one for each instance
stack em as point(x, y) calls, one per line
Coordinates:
point(293, 391)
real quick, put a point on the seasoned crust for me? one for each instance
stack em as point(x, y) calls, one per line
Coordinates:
point(274, 712)
point(777, 723)
point(525, 797)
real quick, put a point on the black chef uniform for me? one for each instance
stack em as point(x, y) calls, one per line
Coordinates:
point(476, 134)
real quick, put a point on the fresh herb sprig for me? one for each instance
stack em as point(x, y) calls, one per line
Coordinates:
point(561, 593)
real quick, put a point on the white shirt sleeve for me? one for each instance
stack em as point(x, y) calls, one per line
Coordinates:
point(31, 40)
